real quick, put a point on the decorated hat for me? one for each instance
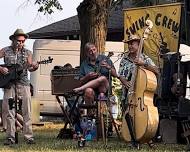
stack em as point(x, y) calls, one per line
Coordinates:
point(18, 32)
point(132, 38)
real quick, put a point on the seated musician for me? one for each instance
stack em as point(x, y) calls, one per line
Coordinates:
point(94, 73)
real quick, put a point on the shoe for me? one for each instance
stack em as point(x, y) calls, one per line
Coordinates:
point(30, 141)
point(9, 141)
point(188, 148)
point(151, 144)
point(110, 130)
point(110, 134)
point(134, 144)
point(3, 130)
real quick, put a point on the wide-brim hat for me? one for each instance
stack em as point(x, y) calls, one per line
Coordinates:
point(18, 32)
point(132, 38)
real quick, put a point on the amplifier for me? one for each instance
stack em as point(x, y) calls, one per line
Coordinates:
point(63, 72)
point(184, 107)
point(64, 81)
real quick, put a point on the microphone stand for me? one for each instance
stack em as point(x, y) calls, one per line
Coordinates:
point(13, 101)
point(108, 104)
point(16, 105)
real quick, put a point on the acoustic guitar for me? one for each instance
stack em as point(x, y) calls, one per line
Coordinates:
point(14, 74)
point(178, 86)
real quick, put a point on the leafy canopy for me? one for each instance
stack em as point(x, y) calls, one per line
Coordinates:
point(48, 6)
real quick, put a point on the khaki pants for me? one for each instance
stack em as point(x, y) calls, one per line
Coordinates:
point(4, 114)
point(24, 93)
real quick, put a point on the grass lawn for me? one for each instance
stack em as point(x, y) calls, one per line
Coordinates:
point(46, 141)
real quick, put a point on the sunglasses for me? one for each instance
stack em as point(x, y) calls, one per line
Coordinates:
point(21, 41)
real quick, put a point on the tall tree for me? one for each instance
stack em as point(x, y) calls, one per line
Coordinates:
point(93, 19)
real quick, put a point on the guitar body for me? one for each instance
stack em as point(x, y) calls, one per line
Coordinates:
point(5, 79)
point(143, 114)
point(9, 77)
point(12, 75)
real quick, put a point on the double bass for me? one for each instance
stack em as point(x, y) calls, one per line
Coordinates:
point(140, 120)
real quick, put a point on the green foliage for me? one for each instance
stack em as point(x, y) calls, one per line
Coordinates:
point(48, 6)
point(117, 88)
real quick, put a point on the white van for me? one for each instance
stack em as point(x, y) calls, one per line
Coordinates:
point(62, 52)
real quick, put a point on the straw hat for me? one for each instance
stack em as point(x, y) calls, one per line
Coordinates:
point(132, 38)
point(18, 32)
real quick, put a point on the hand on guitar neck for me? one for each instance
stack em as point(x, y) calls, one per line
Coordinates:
point(104, 63)
point(34, 65)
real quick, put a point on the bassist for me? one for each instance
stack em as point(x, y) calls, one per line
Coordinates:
point(127, 65)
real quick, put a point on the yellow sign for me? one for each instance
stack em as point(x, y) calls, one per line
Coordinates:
point(165, 32)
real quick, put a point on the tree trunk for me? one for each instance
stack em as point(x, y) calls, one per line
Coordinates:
point(93, 17)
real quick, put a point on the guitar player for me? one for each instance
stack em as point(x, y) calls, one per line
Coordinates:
point(94, 73)
point(17, 54)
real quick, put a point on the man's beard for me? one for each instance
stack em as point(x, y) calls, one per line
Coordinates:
point(17, 47)
point(92, 58)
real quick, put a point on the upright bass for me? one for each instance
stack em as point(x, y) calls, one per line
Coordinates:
point(140, 120)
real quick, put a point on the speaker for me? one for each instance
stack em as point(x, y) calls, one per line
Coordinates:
point(184, 107)
point(63, 82)
point(168, 131)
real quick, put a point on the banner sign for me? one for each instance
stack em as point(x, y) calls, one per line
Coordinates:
point(165, 32)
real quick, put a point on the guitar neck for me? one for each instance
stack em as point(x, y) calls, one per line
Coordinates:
point(40, 62)
point(178, 68)
point(49, 60)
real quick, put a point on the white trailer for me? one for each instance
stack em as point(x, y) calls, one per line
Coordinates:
point(62, 52)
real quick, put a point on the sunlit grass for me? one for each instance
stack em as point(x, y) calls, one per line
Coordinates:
point(46, 141)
